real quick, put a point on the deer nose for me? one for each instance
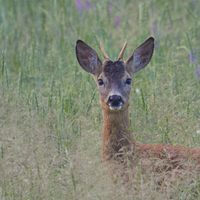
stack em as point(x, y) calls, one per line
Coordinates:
point(115, 100)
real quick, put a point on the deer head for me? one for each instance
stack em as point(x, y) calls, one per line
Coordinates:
point(114, 78)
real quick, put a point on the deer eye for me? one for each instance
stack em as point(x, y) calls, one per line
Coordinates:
point(128, 81)
point(100, 81)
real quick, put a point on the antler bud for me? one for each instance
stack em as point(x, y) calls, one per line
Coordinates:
point(122, 51)
point(103, 52)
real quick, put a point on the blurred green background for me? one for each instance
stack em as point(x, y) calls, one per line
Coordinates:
point(50, 118)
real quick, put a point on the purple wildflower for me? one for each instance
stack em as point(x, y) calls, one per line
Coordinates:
point(169, 28)
point(117, 21)
point(198, 72)
point(79, 5)
point(110, 6)
point(87, 4)
point(193, 59)
point(167, 142)
point(154, 29)
point(58, 31)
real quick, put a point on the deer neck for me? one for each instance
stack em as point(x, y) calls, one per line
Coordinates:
point(116, 133)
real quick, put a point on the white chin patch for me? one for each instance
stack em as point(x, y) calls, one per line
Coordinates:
point(115, 107)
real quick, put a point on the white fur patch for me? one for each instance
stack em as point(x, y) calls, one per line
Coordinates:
point(115, 93)
point(115, 107)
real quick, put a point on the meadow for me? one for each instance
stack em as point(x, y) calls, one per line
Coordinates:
point(50, 117)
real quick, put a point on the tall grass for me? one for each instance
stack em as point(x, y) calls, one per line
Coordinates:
point(50, 118)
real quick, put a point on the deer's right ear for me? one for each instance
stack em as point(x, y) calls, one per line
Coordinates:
point(87, 57)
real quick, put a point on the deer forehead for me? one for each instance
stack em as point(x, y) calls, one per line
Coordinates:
point(114, 70)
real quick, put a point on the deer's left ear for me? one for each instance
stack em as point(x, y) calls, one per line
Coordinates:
point(141, 56)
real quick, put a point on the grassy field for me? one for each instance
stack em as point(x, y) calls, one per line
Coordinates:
point(50, 118)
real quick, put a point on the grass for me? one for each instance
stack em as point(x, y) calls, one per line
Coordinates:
point(50, 118)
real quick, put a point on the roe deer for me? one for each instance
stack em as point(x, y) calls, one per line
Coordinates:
point(121, 154)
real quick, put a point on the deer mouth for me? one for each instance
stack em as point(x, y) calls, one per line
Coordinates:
point(115, 102)
point(115, 107)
